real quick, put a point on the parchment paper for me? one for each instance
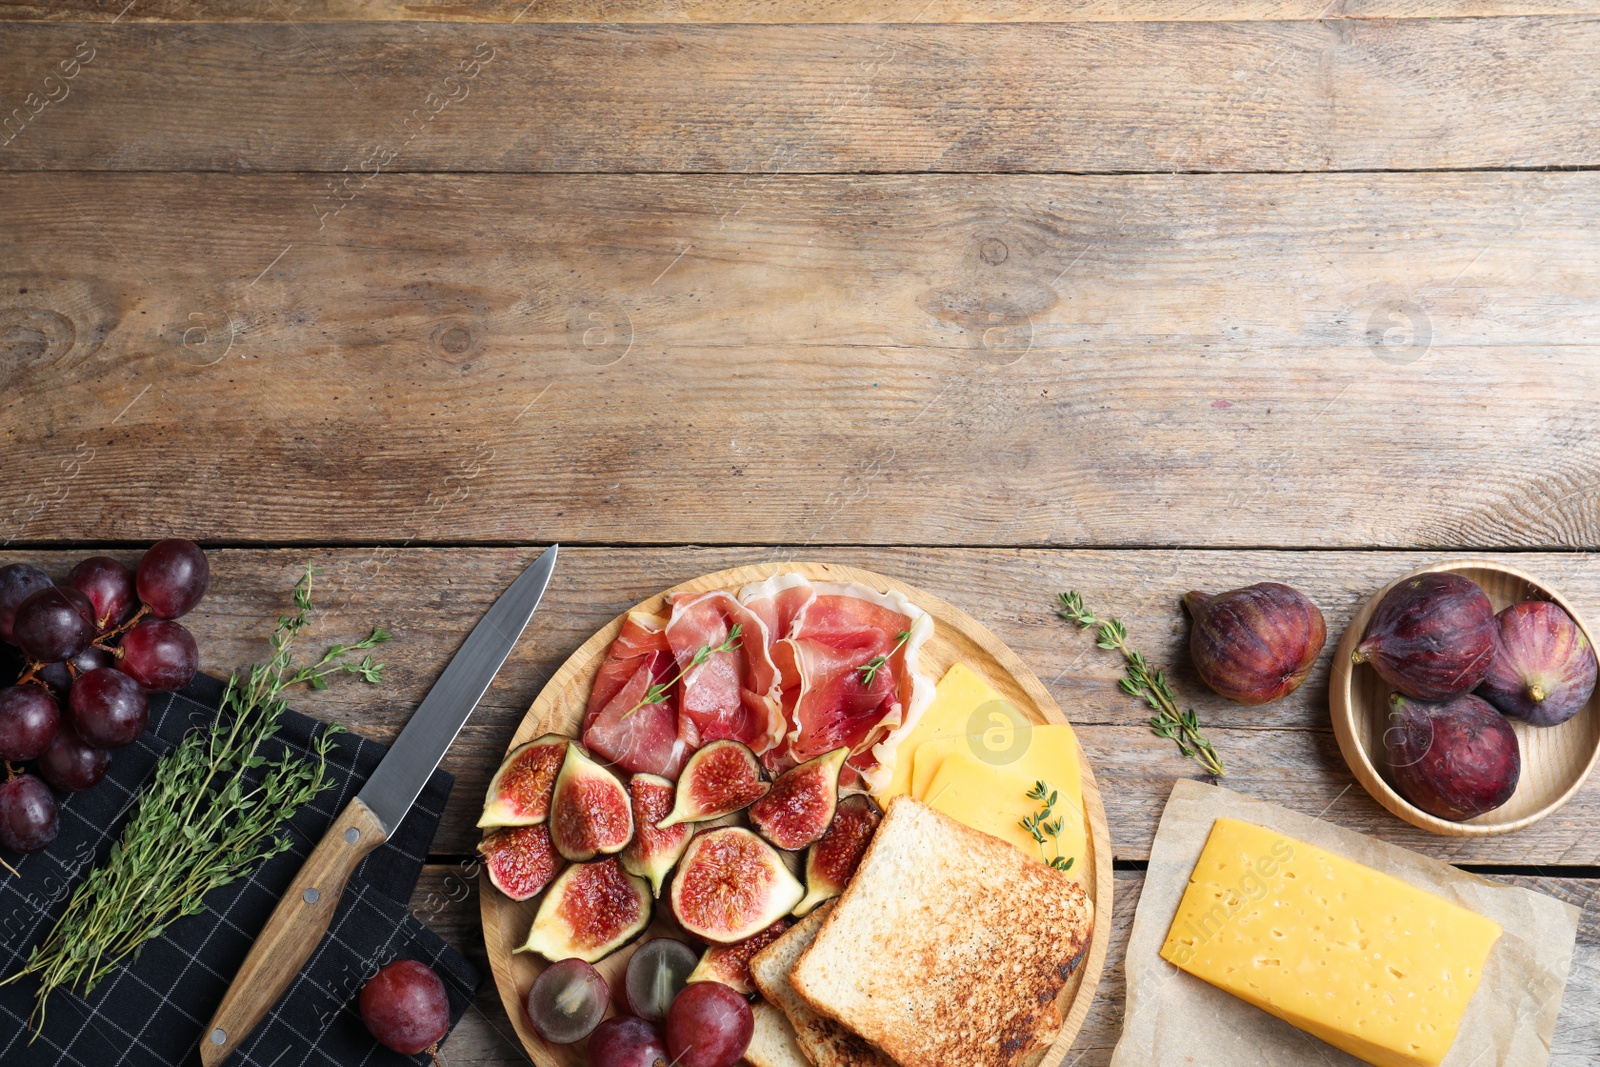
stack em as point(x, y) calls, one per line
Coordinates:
point(1172, 1017)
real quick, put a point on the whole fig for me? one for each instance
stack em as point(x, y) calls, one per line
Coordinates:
point(1431, 637)
point(1543, 669)
point(1256, 644)
point(1456, 759)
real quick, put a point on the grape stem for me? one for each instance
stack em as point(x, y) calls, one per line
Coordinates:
point(10, 868)
point(32, 673)
point(144, 609)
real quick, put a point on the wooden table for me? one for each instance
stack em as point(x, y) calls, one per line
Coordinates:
point(1002, 297)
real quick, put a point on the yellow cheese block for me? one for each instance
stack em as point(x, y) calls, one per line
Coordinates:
point(1364, 961)
point(995, 800)
point(1048, 753)
point(960, 693)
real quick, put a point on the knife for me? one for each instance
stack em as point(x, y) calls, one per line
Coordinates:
point(307, 906)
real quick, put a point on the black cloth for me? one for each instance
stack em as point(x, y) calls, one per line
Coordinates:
point(151, 1011)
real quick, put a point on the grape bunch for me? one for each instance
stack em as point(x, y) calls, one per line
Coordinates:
point(93, 649)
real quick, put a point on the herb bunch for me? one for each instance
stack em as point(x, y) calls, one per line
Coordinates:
point(1181, 727)
point(1040, 826)
point(214, 809)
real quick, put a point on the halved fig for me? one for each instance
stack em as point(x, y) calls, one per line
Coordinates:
point(730, 964)
point(730, 885)
point(800, 806)
point(590, 813)
point(592, 910)
point(519, 792)
point(719, 779)
point(520, 860)
point(832, 861)
point(653, 852)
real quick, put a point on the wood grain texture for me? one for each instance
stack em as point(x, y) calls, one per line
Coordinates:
point(1175, 96)
point(1283, 752)
point(953, 360)
point(772, 11)
point(560, 707)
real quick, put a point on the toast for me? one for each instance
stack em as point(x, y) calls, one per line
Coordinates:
point(949, 947)
point(824, 1042)
point(772, 1041)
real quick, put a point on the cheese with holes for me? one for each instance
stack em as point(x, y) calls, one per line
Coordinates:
point(1370, 964)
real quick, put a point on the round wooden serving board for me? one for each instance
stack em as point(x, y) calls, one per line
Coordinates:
point(1555, 759)
point(957, 636)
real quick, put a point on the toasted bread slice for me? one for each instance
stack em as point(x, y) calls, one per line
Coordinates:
point(824, 1042)
point(772, 1042)
point(949, 947)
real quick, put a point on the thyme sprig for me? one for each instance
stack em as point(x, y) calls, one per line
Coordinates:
point(1180, 727)
point(658, 692)
point(1040, 826)
point(869, 670)
point(214, 809)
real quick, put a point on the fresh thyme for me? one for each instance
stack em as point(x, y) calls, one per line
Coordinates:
point(1040, 826)
point(1180, 727)
point(204, 820)
point(869, 670)
point(658, 692)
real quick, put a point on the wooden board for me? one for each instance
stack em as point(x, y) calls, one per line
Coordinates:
point(1172, 96)
point(956, 637)
point(1003, 360)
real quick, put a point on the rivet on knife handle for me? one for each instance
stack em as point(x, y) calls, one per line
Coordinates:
point(292, 933)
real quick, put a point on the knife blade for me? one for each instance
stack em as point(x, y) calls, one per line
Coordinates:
point(303, 913)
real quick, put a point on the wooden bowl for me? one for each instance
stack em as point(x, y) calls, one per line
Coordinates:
point(1555, 759)
point(957, 636)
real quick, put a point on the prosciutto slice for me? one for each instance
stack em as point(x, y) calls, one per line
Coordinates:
point(731, 694)
point(651, 738)
point(826, 634)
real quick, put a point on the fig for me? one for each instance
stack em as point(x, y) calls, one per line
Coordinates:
point(1455, 759)
point(591, 910)
point(521, 860)
point(730, 885)
point(1257, 644)
point(590, 813)
point(1431, 637)
point(719, 779)
point(1543, 669)
point(730, 964)
point(653, 852)
point(519, 792)
point(832, 861)
point(799, 808)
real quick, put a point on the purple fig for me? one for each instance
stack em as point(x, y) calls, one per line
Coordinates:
point(1256, 644)
point(1456, 759)
point(1431, 637)
point(1543, 669)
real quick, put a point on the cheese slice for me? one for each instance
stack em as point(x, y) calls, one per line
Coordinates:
point(1370, 964)
point(960, 693)
point(1036, 753)
point(995, 800)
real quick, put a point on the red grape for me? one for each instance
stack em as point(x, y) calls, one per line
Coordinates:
point(159, 655)
point(406, 1007)
point(92, 658)
point(173, 576)
point(29, 717)
point(109, 587)
point(18, 581)
point(708, 1025)
point(657, 972)
point(28, 817)
point(53, 624)
point(57, 677)
point(627, 1041)
point(567, 1001)
point(109, 709)
point(69, 764)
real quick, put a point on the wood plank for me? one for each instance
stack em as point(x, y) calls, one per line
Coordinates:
point(1189, 96)
point(978, 360)
point(446, 899)
point(771, 11)
point(1283, 752)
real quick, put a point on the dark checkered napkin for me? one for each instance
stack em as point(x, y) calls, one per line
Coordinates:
point(151, 1012)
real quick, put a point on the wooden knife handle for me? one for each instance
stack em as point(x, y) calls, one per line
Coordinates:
point(292, 933)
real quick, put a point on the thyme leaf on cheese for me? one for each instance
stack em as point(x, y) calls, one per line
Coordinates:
point(1040, 826)
point(869, 670)
point(658, 692)
point(1148, 684)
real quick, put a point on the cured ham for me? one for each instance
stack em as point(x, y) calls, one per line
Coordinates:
point(848, 677)
point(733, 692)
point(639, 738)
